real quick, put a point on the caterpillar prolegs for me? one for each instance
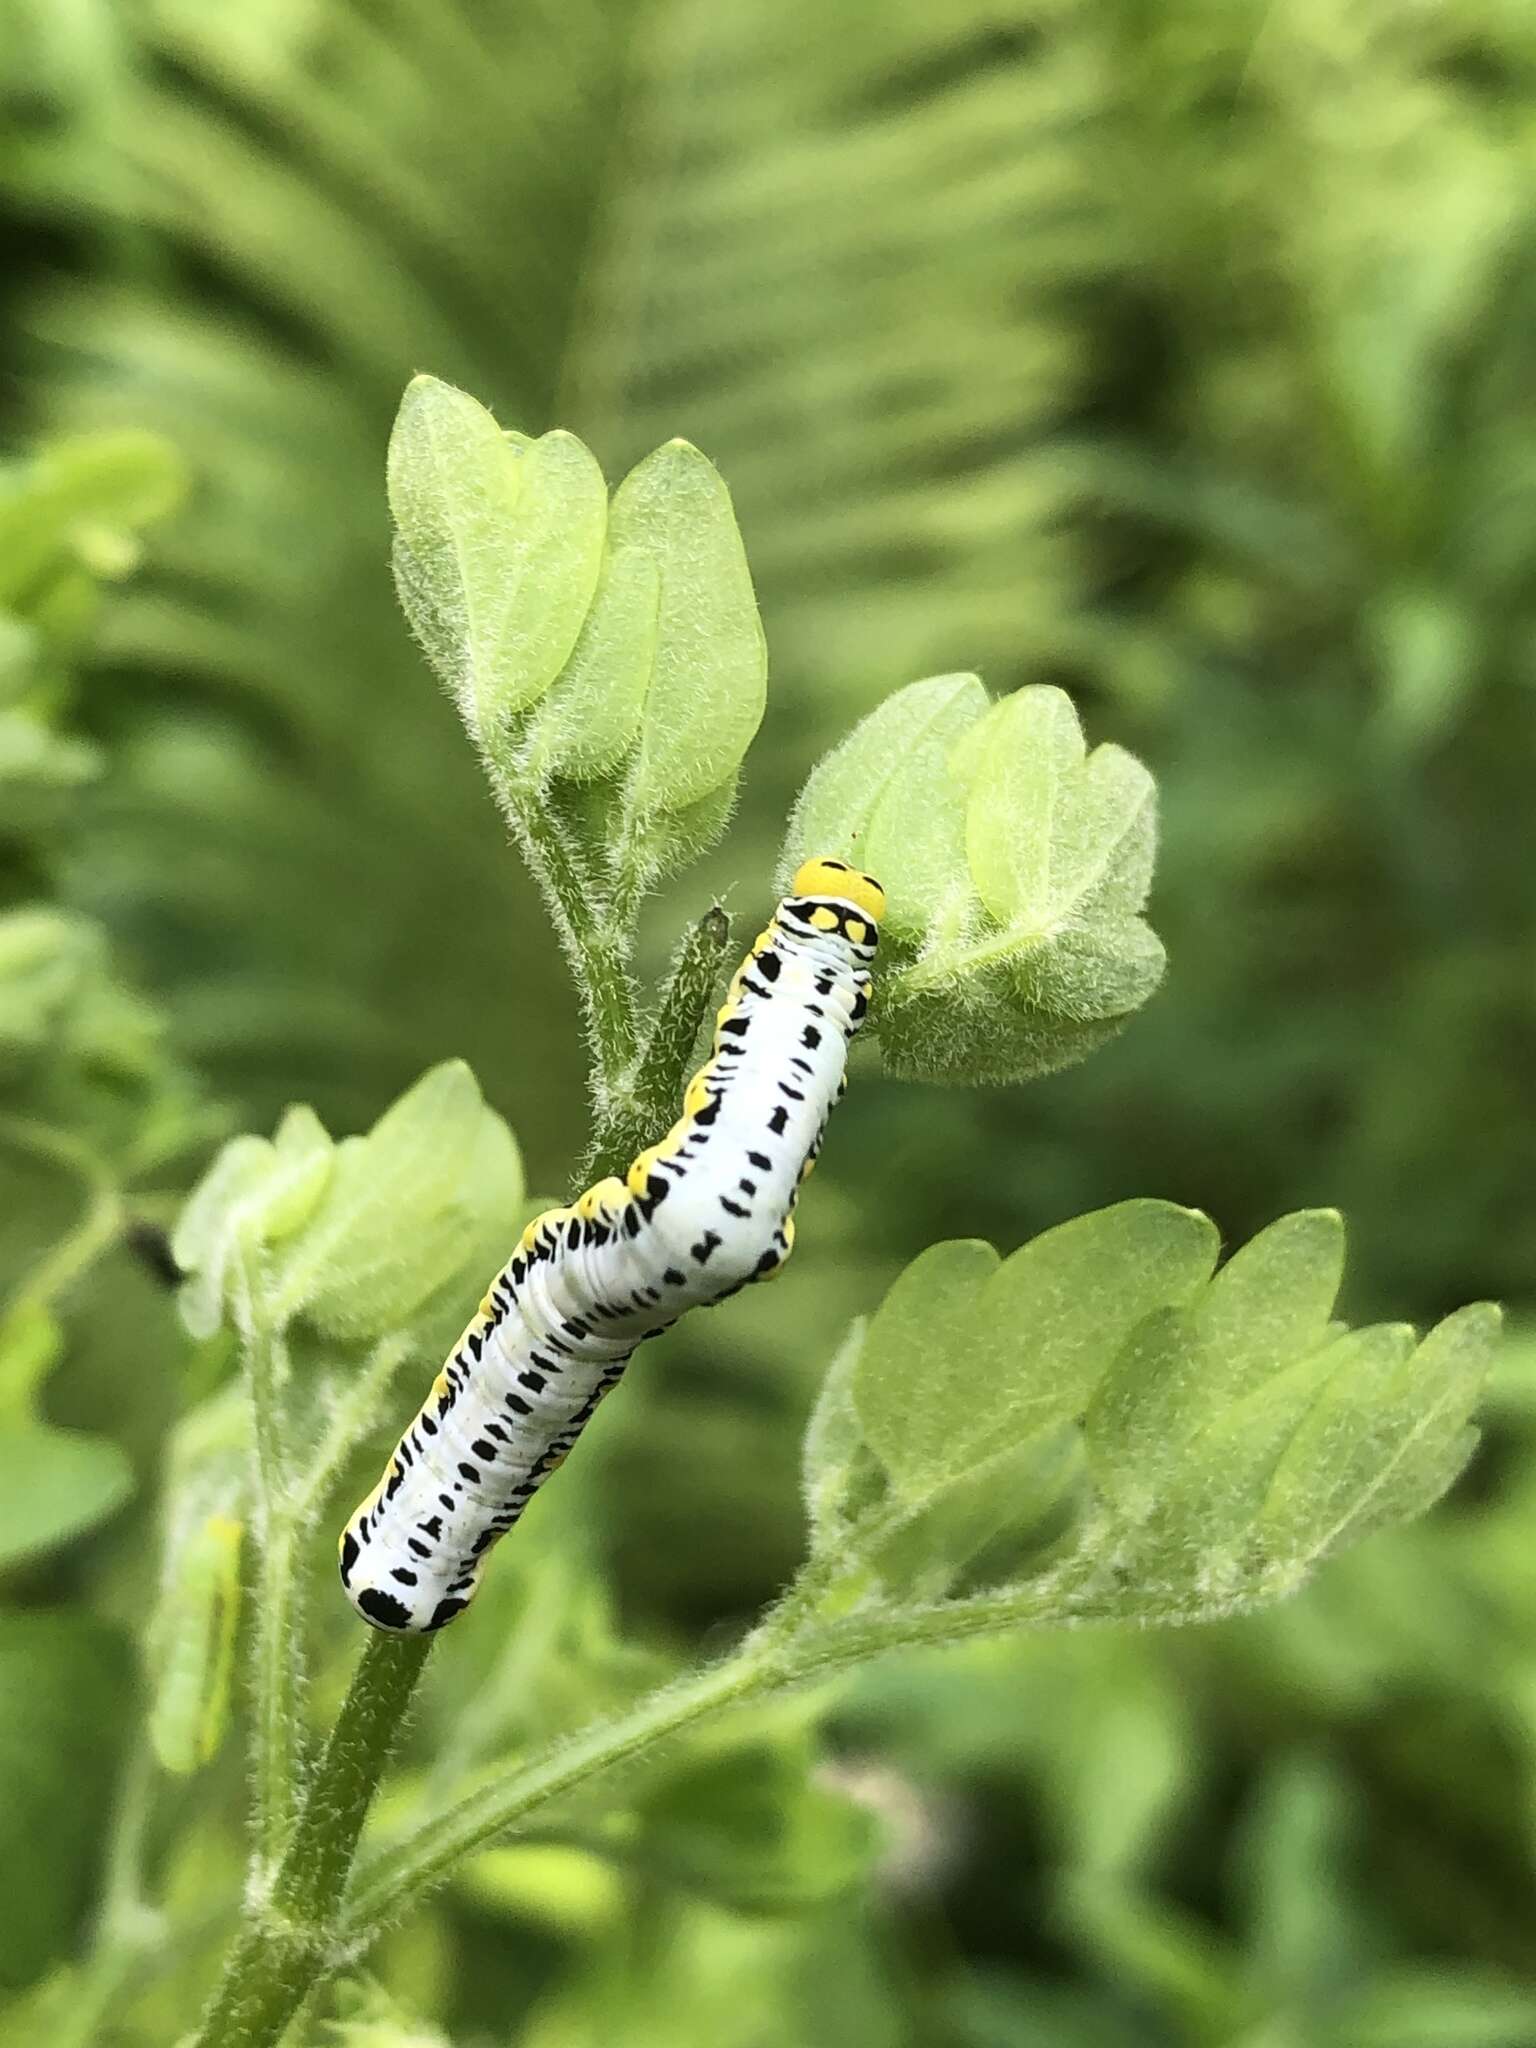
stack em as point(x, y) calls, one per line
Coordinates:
point(700, 1214)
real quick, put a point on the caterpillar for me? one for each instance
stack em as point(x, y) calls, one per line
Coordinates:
point(700, 1214)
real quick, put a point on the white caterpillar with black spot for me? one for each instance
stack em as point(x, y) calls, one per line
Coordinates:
point(698, 1216)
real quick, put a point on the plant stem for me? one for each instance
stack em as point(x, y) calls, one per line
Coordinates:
point(303, 1932)
point(598, 947)
point(638, 1114)
point(289, 1941)
point(773, 1659)
point(314, 1872)
point(426, 1857)
point(99, 1222)
point(275, 1653)
point(275, 1686)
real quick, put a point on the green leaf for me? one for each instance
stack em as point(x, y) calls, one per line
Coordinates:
point(46, 958)
point(64, 1697)
point(1056, 1313)
point(1099, 1426)
point(582, 642)
point(191, 1633)
point(1016, 865)
point(1018, 760)
point(708, 682)
point(38, 768)
point(55, 1484)
point(1388, 1435)
point(498, 545)
point(1228, 1466)
point(422, 1204)
point(915, 1357)
point(1272, 1300)
point(1243, 1437)
point(363, 1237)
point(587, 722)
point(83, 499)
point(967, 1357)
point(1267, 1308)
point(256, 1192)
point(887, 799)
point(985, 1523)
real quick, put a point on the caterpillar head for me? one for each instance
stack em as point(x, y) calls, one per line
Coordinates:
point(825, 876)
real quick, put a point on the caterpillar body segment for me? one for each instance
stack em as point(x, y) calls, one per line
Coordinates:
point(704, 1211)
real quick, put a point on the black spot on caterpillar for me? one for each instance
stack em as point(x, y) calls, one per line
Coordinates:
point(586, 1284)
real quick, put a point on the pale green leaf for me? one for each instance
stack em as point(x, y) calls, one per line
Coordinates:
point(84, 498)
point(256, 1192)
point(1272, 1300)
point(671, 839)
point(47, 958)
point(404, 1211)
point(989, 1517)
point(1389, 1434)
point(1017, 761)
point(886, 799)
point(1105, 838)
point(914, 1357)
point(708, 681)
point(55, 1484)
point(499, 544)
point(1217, 1489)
point(967, 1357)
point(1015, 866)
point(191, 1633)
point(583, 727)
point(302, 1153)
point(1267, 1308)
point(195, 1647)
point(1240, 1438)
point(206, 1239)
point(1056, 1312)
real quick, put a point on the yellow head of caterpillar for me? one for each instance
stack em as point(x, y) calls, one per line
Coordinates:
point(825, 876)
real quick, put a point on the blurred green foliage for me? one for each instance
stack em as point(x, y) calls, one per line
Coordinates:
point(1176, 356)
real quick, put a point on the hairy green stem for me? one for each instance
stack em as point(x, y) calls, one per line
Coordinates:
point(290, 1940)
point(275, 1706)
point(100, 1220)
point(684, 1003)
point(314, 1873)
point(426, 1857)
point(782, 1655)
point(598, 946)
point(275, 1677)
point(638, 1114)
point(308, 1928)
point(787, 1652)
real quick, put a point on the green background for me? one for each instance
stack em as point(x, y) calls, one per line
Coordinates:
point(1177, 354)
